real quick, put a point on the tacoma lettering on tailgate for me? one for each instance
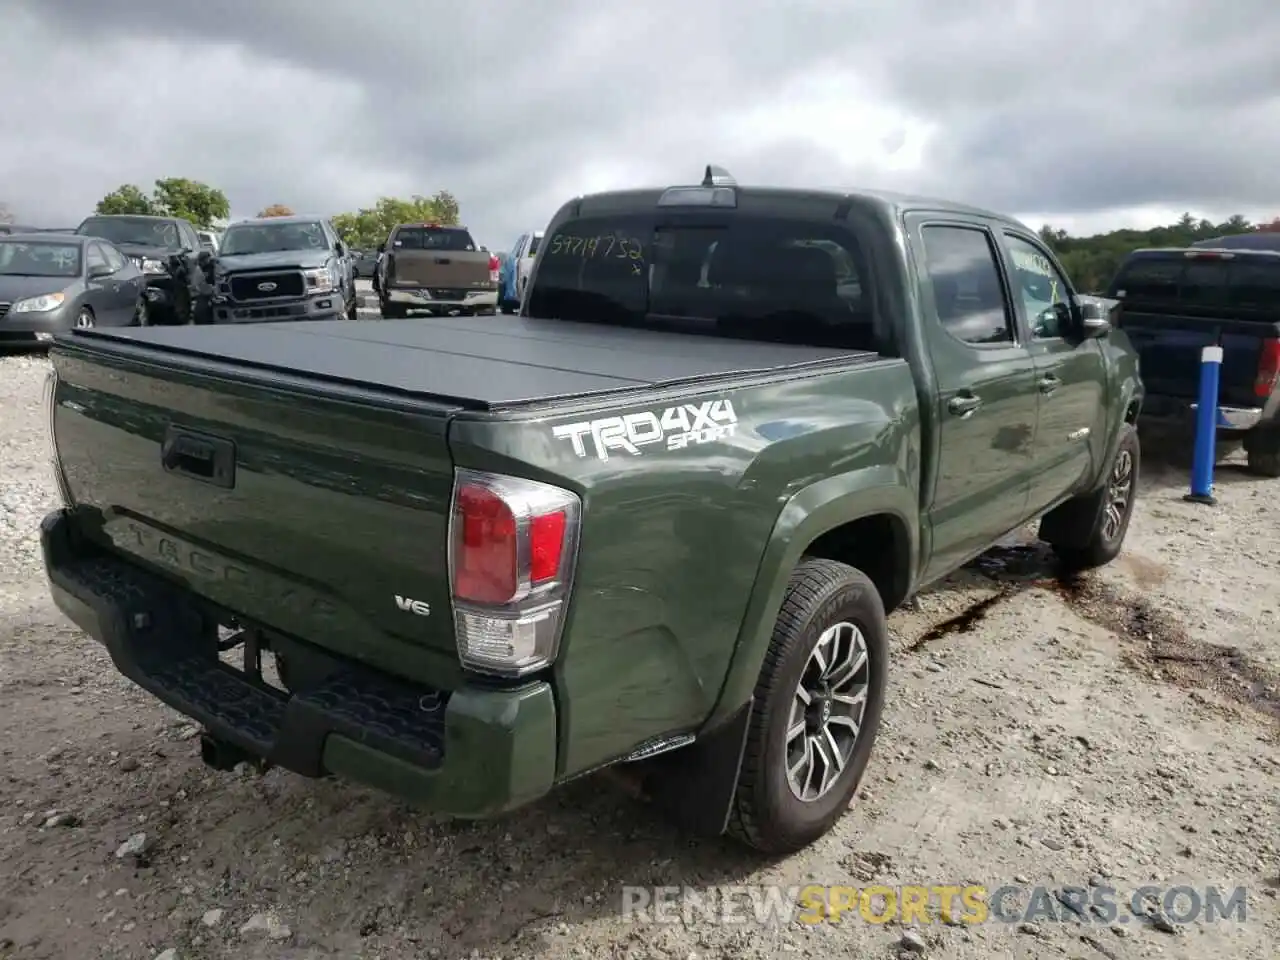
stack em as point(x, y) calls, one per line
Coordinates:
point(675, 427)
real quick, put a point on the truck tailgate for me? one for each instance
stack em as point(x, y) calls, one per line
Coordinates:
point(445, 269)
point(1169, 349)
point(296, 512)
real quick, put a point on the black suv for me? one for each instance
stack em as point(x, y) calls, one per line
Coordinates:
point(166, 250)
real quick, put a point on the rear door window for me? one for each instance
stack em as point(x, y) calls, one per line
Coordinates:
point(533, 245)
point(432, 238)
point(739, 277)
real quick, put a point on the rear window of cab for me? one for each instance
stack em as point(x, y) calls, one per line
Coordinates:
point(737, 276)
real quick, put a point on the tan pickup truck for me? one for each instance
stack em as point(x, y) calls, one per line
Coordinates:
point(437, 269)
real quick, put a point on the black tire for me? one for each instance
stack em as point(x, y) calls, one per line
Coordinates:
point(391, 311)
point(353, 307)
point(767, 814)
point(1263, 452)
point(1105, 537)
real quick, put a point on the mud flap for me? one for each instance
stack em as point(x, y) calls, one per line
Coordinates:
point(694, 786)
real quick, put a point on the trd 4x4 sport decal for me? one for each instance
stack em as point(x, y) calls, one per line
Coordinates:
point(675, 428)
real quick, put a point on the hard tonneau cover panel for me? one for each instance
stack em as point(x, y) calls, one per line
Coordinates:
point(503, 362)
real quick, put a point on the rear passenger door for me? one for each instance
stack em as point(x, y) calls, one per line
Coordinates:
point(985, 391)
point(1071, 380)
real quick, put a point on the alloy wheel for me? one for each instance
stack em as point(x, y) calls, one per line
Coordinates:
point(826, 712)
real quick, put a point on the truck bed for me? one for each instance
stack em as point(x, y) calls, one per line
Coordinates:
point(485, 364)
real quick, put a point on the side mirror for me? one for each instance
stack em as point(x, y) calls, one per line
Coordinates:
point(340, 249)
point(382, 247)
point(1097, 316)
point(100, 270)
point(204, 258)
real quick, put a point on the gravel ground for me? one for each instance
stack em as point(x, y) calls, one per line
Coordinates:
point(1117, 731)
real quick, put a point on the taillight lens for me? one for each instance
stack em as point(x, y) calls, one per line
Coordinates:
point(1268, 368)
point(494, 265)
point(513, 548)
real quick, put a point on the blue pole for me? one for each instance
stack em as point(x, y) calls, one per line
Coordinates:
point(1206, 428)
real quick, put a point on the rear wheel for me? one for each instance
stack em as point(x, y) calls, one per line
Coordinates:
point(1263, 450)
point(391, 311)
point(817, 709)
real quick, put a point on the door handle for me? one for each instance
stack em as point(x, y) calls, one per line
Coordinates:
point(964, 406)
point(1048, 383)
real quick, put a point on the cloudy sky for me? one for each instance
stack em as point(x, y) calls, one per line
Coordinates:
point(1083, 113)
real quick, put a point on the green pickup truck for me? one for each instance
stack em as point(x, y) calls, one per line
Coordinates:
point(653, 522)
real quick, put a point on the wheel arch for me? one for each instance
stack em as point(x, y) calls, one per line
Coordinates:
point(867, 519)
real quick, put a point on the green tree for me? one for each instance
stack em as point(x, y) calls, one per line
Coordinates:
point(1091, 262)
point(369, 226)
point(173, 197)
point(125, 198)
point(191, 200)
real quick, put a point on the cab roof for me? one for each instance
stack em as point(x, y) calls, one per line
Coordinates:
point(761, 199)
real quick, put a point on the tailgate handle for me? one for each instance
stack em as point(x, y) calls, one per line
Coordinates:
point(199, 456)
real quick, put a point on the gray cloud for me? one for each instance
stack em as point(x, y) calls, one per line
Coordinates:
point(1067, 108)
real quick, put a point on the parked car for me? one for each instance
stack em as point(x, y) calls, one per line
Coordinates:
point(437, 269)
point(516, 269)
point(1179, 301)
point(283, 268)
point(648, 523)
point(50, 284)
point(364, 263)
point(165, 249)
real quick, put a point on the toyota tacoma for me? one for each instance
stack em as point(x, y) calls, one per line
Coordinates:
point(654, 522)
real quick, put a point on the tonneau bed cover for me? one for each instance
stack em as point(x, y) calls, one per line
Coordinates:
point(488, 364)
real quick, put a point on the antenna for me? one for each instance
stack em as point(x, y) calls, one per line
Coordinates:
point(717, 177)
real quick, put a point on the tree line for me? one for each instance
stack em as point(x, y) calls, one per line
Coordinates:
point(1091, 262)
point(203, 205)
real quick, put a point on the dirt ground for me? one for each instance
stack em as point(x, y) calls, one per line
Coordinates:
point(1118, 731)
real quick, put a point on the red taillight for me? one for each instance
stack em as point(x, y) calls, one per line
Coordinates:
point(494, 265)
point(1268, 368)
point(512, 554)
point(546, 546)
point(485, 562)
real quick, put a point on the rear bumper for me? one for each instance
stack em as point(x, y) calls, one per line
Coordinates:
point(469, 752)
point(1176, 411)
point(421, 297)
